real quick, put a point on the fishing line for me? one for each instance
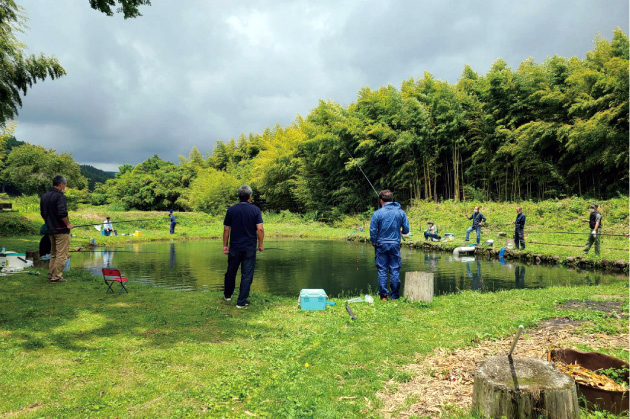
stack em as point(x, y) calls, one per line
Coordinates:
point(570, 245)
point(566, 232)
point(111, 222)
point(366, 178)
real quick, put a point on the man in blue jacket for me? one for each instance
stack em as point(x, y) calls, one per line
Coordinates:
point(477, 221)
point(385, 228)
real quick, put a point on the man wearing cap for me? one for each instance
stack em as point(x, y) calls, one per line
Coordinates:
point(108, 228)
point(431, 232)
point(52, 207)
point(173, 221)
point(385, 227)
point(595, 223)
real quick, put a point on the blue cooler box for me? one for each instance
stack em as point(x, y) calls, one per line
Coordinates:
point(313, 300)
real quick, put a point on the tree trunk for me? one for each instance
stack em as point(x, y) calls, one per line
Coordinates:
point(419, 286)
point(524, 388)
point(456, 174)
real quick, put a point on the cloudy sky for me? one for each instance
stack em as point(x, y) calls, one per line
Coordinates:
point(196, 71)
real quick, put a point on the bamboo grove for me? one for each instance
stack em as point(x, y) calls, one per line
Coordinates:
point(545, 130)
point(554, 129)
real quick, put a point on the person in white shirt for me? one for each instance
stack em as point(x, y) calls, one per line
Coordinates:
point(108, 229)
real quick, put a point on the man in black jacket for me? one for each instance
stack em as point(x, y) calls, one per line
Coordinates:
point(53, 210)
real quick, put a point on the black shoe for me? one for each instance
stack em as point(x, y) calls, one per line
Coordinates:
point(245, 304)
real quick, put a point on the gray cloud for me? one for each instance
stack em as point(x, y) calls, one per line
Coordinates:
point(191, 73)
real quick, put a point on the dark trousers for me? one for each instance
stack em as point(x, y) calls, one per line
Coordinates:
point(173, 227)
point(387, 257)
point(246, 259)
point(519, 238)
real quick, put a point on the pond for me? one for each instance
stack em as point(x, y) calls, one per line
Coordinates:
point(287, 266)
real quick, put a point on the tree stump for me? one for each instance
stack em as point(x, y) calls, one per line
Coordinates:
point(524, 388)
point(419, 286)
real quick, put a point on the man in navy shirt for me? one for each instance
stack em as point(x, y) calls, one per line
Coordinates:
point(519, 225)
point(243, 226)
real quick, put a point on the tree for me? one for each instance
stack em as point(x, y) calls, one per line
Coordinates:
point(129, 8)
point(18, 72)
point(31, 169)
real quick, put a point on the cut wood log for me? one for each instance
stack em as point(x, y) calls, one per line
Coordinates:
point(419, 286)
point(524, 388)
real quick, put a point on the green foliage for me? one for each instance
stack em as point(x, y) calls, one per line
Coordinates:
point(16, 225)
point(31, 168)
point(129, 8)
point(19, 72)
point(94, 175)
point(545, 130)
point(212, 192)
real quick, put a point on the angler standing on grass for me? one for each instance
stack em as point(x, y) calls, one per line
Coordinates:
point(385, 228)
point(519, 225)
point(477, 221)
point(595, 223)
point(243, 224)
point(173, 221)
point(52, 207)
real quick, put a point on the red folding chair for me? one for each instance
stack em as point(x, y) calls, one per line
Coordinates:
point(111, 276)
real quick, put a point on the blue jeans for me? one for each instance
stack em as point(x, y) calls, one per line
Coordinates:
point(430, 235)
point(246, 259)
point(387, 257)
point(173, 227)
point(476, 228)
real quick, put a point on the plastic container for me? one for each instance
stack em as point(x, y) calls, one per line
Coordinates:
point(313, 299)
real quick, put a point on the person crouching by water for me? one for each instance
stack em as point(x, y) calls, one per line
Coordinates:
point(477, 221)
point(519, 225)
point(385, 227)
point(243, 224)
point(595, 224)
point(173, 221)
point(53, 210)
point(431, 232)
point(108, 229)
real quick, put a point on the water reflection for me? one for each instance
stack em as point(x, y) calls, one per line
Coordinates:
point(337, 267)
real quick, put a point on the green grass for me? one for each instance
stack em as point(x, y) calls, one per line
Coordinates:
point(69, 350)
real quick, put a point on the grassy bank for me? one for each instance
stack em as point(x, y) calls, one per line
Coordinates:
point(542, 218)
point(69, 350)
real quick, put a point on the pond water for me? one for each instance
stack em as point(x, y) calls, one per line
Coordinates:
point(287, 266)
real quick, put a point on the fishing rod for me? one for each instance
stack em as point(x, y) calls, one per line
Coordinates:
point(572, 245)
point(567, 232)
point(111, 222)
point(366, 178)
point(110, 251)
